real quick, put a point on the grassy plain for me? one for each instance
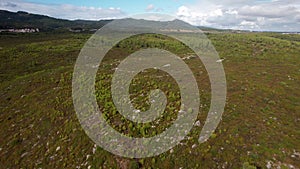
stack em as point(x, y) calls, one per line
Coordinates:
point(260, 126)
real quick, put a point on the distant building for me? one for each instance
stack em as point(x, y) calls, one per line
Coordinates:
point(76, 30)
point(291, 33)
point(23, 30)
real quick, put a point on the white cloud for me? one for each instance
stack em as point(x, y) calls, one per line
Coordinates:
point(154, 17)
point(63, 11)
point(276, 15)
point(268, 11)
point(150, 7)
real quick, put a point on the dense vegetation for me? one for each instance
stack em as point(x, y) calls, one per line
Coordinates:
point(260, 126)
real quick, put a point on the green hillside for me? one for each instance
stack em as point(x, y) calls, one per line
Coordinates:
point(21, 20)
point(260, 126)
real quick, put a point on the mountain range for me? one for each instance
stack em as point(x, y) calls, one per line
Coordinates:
point(21, 20)
point(43, 23)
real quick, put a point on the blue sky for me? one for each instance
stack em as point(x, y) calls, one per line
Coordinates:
point(130, 7)
point(260, 15)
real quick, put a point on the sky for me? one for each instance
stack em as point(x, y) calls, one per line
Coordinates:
point(256, 15)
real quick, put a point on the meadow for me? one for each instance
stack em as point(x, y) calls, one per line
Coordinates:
point(260, 126)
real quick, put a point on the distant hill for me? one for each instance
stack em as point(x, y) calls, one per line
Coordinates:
point(20, 20)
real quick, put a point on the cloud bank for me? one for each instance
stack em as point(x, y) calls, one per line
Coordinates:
point(259, 15)
point(64, 11)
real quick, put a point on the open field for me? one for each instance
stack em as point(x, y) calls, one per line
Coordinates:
point(260, 126)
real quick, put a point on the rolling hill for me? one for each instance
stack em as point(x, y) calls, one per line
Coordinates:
point(20, 20)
